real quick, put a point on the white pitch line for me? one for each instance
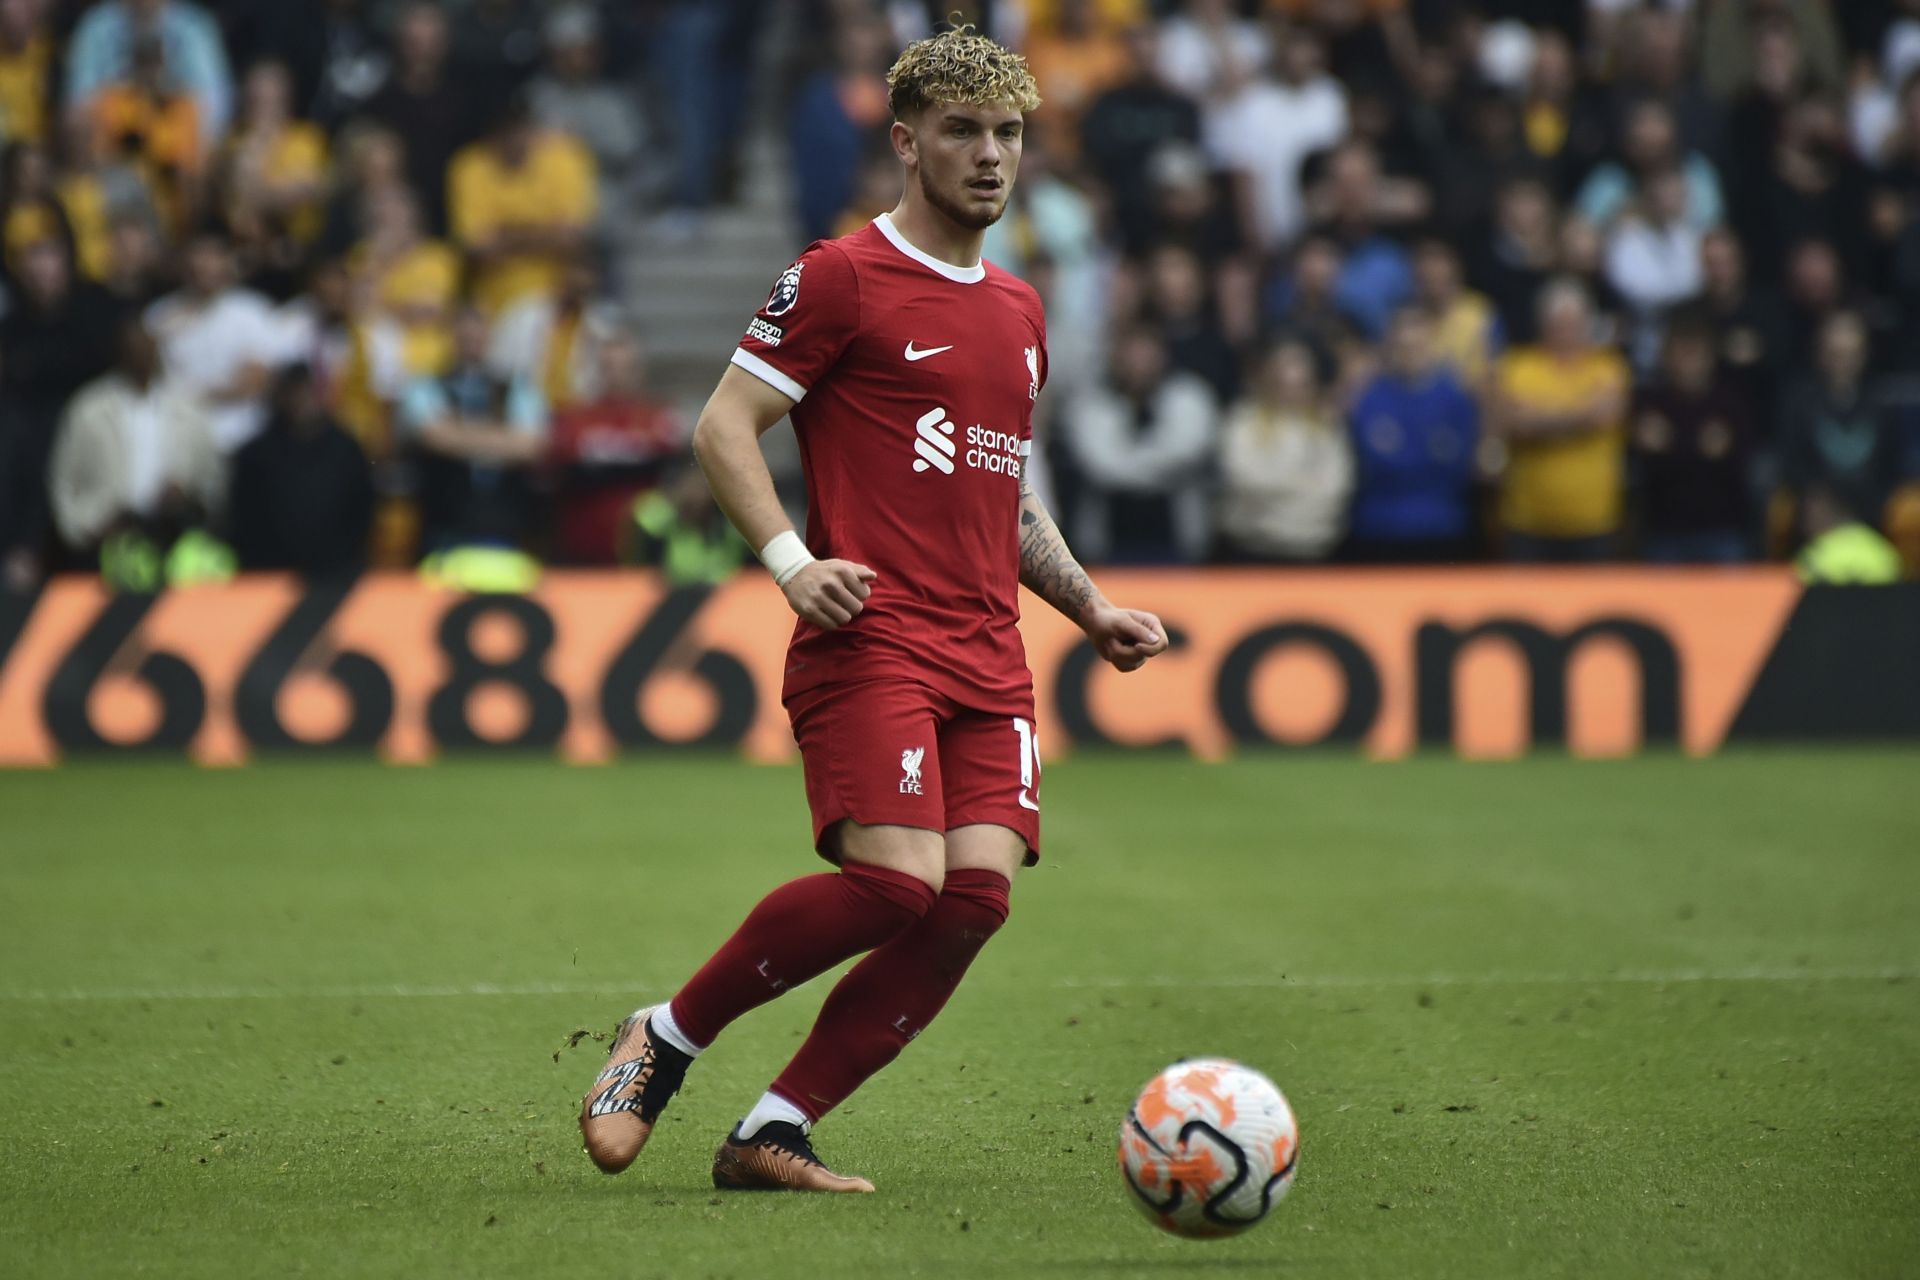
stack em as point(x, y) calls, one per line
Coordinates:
point(1622, 977)
point(1304, 982)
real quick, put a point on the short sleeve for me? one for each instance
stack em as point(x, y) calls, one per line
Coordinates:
point(805, 323)
point(1506, 376)
point(1038, 367)
point(1619, 372)
point(1044, 367)
point(1613, 375)
point(304, 154)
point(575, 183)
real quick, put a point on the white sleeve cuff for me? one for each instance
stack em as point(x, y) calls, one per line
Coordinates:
point(760, 369)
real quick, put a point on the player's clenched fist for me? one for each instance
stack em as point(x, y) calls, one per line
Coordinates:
point(829, 593)
point(1126, 637)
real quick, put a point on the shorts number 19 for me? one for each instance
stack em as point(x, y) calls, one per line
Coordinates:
point(1029, 761)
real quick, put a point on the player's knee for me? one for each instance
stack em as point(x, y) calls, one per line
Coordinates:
point(972, 907)
point(908, 893)
point(907, 851)
point(985, 896)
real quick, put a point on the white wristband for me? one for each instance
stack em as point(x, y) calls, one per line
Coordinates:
point(784, 556)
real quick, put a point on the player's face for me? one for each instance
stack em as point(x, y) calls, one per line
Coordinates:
point(967, 157)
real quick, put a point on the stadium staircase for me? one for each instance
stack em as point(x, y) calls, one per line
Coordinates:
point(691, 290)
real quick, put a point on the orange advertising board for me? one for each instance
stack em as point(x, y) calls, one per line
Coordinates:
point(1487, 662)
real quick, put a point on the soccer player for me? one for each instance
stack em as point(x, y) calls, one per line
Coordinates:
point(910, 368)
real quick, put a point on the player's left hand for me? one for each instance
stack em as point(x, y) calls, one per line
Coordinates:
point(1125, 637)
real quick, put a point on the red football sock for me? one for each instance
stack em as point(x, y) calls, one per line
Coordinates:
point(890, 997)
point(795, 934)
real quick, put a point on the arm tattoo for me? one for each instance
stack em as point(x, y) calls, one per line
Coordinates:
point(1047, 568)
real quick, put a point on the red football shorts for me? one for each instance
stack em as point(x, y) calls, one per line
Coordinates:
point(896, 753)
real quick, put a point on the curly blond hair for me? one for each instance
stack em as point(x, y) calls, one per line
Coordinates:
point(959, 65)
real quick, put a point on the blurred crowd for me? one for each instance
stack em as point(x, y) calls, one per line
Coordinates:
point(1432, 280)
point(312, 286)
point(318, 285)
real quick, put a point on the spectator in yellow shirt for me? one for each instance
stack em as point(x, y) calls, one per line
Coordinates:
point(1561, 408)
point(152, 124)
point(1466, 326)
point(1110, 15)
point(521, 202)
point(1078, 58)
point(413, 279)
point(276, 167)
point(75, 205)
point(95, 188)
point(29, 209)
point(26, 63)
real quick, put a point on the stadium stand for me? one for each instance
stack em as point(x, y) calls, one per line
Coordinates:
point(1402, 280)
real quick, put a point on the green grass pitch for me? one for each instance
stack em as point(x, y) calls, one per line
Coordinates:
point(1649, 1018)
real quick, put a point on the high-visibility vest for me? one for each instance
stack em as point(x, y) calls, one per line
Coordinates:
point(1852, 555)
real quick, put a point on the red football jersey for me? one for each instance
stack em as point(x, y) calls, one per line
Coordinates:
point(914, 381)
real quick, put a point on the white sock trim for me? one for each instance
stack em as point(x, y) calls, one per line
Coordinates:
point(770, 1108)
point(667, 1029)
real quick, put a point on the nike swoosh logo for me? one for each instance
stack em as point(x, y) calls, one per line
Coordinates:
point(921, 353)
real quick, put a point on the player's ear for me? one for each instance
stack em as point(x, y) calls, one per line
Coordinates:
point(905, 145)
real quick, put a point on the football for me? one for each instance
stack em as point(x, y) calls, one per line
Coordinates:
point(1209, 1148)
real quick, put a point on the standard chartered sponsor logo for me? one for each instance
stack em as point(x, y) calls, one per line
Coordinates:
point(933, 442)
point(995, 451)
point(987, 450)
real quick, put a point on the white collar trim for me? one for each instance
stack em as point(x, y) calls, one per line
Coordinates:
point(964, 275)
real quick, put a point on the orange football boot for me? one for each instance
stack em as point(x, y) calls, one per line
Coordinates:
point(778, 1158)
point(618, 1114)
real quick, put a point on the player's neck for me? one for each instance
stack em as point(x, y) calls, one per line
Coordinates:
point(936, 235)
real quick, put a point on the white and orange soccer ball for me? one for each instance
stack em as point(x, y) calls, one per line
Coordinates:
point(1209, 1148)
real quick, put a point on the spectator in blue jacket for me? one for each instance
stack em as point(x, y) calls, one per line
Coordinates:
point(1359, 203)
point(1305, 302)
point(832, 120)
point(101, 53)
point(1415, 430)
